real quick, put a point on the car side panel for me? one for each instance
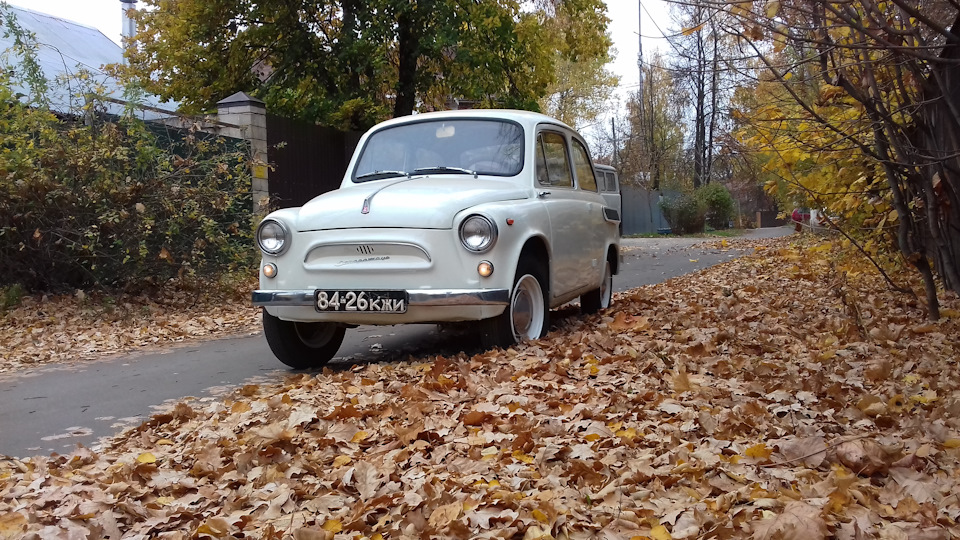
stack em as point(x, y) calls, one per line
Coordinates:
point(573, 233)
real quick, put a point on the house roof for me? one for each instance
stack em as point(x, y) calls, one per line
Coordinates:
point(68, 48)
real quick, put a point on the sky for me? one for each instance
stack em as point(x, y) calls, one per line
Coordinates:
point(624, 25)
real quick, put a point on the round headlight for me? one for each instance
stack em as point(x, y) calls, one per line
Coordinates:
point(272, 236)
point(478, 233)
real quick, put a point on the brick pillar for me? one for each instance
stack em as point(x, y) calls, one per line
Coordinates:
point(249, 115)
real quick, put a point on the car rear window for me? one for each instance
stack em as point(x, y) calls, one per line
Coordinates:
point(581, 161)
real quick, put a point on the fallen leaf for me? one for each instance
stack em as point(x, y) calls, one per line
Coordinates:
point(758, 451)
point(660, 532)
point(475, 418)
point(864, 457)
point(13, 525)
point(798, 521)
point(811, 451)
point(312, 533)
point(444, 515)
point(367, 479)
point(216, 527)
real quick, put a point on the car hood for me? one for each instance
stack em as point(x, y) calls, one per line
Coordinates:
point(424, 202)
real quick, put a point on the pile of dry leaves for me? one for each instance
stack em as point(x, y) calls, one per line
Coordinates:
point(70, 328)
point(778, 396)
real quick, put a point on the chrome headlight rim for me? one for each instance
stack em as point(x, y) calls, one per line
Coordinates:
point(491, 240)
point(284, 241)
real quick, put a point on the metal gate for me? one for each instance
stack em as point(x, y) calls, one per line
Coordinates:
point(306, 159)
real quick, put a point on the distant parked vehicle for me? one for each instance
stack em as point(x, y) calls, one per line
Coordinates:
point(492, 216)
point(609, 183)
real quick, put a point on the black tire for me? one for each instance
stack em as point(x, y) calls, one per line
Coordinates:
point(601, 297)
point(527, 317)
point(302, 345)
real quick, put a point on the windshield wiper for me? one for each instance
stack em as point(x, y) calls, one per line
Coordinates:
point(381, 174)
point(442, 168)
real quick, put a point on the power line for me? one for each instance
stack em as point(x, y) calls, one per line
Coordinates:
point(662, 33)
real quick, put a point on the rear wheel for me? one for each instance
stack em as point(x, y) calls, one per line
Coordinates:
point(302, 345)
point(600, 297)
point(528, 314)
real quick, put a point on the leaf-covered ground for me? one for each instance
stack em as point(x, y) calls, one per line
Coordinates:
point(74, 328)
point(778, 396)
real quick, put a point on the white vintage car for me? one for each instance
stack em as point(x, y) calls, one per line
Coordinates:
point(487, 215)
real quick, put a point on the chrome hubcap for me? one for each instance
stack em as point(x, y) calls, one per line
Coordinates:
point(606, 288)
point(526, 309)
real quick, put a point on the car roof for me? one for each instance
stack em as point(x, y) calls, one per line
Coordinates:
point(525, 118)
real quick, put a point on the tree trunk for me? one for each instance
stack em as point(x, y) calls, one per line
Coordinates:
point(408, 52)
point(349, 34)
point(714, 96)
point(941, 140)
point(699, 142)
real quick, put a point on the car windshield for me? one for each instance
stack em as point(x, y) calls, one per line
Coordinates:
point(465, 147)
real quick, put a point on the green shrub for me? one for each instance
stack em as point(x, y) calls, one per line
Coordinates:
point(11, 296)
point(119, 203)
point(719, 205)
point(684, 212)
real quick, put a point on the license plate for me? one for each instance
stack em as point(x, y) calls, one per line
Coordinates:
point(362, 301)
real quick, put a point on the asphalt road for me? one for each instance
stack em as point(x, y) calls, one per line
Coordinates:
point(56, 408)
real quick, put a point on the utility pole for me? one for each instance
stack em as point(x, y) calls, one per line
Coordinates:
point(640, 48)
point(642, 122)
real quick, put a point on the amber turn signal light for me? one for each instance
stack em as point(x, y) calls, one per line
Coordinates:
point(485, 268)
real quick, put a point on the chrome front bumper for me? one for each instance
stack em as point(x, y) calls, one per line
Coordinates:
point(449, 297)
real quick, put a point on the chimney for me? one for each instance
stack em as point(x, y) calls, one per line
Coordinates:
point(129, 27)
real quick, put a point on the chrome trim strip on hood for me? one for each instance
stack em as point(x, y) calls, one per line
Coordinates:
point(366, 202)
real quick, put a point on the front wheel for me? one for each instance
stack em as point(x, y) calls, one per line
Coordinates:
point(302, 345)
point(527, 316)
point(600, 297)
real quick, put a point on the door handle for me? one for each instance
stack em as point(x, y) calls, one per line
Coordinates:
point(542, 194)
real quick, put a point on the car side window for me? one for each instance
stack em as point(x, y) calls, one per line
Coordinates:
point(581, 161)
point(553, 167)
